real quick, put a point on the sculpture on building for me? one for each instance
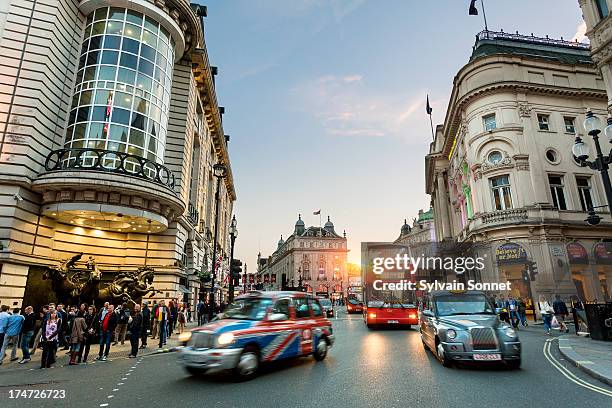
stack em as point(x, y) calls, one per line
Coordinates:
point(73, 284)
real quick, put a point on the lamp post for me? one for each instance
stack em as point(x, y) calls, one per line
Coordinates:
point(219, 171)
point(233, 233)
point(601, 163)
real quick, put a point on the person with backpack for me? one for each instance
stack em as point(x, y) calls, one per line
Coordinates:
point(547, 312)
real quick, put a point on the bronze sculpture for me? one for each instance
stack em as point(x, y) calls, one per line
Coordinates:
point(74, 284)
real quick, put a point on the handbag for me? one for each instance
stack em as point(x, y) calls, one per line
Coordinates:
point(554, 323)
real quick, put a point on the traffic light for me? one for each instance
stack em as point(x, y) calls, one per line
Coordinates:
point(236, 271)
point(532, 269)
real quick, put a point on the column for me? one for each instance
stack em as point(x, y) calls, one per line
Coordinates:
point(443, 203)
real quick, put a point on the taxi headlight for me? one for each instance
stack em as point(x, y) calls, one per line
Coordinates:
point(184, 337)
point(510, 332)
point(225, 338)
point(451, 334)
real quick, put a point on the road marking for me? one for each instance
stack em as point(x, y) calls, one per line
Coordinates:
point(124, 378)
point(104, 405)
point(568, 374)
point(120, 383)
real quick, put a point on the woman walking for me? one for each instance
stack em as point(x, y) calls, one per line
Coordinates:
point(77, 336)
point(50, 339)
point(547, 312)
point(181, 319)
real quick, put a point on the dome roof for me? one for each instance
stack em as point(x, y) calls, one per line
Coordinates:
point(280, 241)
point(329, 224)
point(299, 221)
point(405, 228)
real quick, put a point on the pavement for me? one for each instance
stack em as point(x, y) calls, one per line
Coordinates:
point(592, 356)
point(118, 351)
point(365, 368)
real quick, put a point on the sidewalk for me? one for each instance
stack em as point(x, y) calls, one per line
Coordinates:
point(592, 356)
point(118, 351)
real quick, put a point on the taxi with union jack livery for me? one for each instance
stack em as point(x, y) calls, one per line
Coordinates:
point(258, 327)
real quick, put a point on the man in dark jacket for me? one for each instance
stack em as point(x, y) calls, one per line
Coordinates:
point(154, 322)
point(107, 325)
point(27, 331)
point(135, 328)
point(561, 312)
point(161, 317)
point(146, 321)
point(61, 313)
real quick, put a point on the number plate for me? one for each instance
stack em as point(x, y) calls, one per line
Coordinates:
point(392, 321)
point(487, 357)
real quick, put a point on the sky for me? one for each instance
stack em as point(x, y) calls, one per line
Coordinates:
point(325, 104)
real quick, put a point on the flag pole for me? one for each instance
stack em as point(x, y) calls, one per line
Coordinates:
point(484, 15)
point(433, 135)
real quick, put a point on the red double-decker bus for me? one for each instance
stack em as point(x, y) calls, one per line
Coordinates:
point(388, 299)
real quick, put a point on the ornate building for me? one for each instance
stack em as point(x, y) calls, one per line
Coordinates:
point(110, 127)
point(421, 232)
point(501, 173)
point(314, 257)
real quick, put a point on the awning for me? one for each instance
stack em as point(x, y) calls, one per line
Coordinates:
point(183, 289)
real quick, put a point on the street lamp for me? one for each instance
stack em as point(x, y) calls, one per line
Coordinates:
point(581, 152)
point(233, 233)
point(219, 171)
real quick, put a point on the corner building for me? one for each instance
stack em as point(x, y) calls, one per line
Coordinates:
point(502, 176)
point(109, 129)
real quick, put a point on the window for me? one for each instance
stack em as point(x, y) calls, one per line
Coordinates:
point(489, 122)
point(584, 192)
point(494, 157)
point(543, 122)
point(552, 156)
point(502, 196)
point(316, 308)
point(602, 8)
point(282, 306)
point(570, 126)
point(556, 190)
point(301, 308)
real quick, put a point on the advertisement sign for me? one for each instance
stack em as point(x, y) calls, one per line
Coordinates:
point(266, 278)
point(510, 253)
point(603, 253)
point(251, 278)
point(577, 254)
point(273, 278)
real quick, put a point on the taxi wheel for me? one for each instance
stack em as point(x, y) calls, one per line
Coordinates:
point(248, 364)
point(446, 362)
point(321, 351)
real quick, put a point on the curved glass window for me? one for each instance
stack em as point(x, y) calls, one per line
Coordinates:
point(122, 92)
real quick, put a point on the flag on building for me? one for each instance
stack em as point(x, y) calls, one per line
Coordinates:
point(318, 212)
point(428, 107)
point(473, 10)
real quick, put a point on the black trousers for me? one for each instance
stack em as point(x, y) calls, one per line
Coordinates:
point(134, 343)
point(48, 355)
point(144, 334)
point(84, 350)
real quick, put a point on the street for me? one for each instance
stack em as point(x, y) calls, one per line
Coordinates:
point(380, 368)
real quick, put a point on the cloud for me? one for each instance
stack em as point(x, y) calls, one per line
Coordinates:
point(344, 105)
point(580, 35)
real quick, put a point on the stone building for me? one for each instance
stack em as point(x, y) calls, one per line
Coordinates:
point(422, 231)
point(109, 129)
point(313, 256)
point(501, 173)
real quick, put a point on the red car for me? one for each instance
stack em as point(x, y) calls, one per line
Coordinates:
point(354, 306)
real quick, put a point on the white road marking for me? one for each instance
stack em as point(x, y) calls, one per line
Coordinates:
point(110, 396)
point(124, 378)
point(568, 374)
point(104, 405)
point(115, 389)
point(120, 383)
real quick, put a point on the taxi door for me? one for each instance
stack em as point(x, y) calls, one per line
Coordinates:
point(284, 332)
point(304, 324)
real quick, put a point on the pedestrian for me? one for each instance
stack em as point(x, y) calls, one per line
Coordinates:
point(170, 318)
point(561, 312)
point(90, 334)
point(50, 339)
point(135, 330)
point(522, 312)
point(146, 322)
point(123, 316)
point(200, 311)
point(181, 320)
point(40, 323)
point(513, 309)
point(77, 336)
point(161, 316)
point(4, 315)
point(547, 312)
point(63, 316)
point(27, 331)
point(107, 325)
point(12, 330)
point(154, 321)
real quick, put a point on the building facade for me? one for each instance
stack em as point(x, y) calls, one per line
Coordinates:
point(110, 127)
point(501, 173)
point(313, 257)
point(421, 232)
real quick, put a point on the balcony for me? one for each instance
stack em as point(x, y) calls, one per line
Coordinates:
point(108, 190)
point(193, 215)
point(512, 215)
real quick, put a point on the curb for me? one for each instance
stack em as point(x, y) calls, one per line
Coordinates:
point(576, 359)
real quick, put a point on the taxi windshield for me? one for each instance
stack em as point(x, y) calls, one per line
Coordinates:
point(247, 309)
point(462, 304)
point(325, 302)
point(353, 301)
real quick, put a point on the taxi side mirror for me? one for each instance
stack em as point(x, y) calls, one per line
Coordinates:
point(277, 317)
point(427, 313)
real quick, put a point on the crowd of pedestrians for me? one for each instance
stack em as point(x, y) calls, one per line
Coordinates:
point(76, 328)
